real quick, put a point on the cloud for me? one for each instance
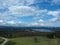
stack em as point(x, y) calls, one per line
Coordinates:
point(54, 20)
point(14, 23)
point(36, 24)
point(41, 20)
point(51, 2)
point(20, 22)
point(11, 22)
point(29, 2)
point(11, 17)
point(56, 15)
point(1, 21)
point(18, 8)
point(8, 3)
point(6, 16)
point(22, 10)
point(53, 13)
point(40, 14)
point(56, 2)
point(50, 22)
point(26, 2)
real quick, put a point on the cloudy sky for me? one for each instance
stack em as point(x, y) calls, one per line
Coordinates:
point(30, 13)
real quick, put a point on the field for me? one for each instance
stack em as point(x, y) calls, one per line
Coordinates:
point(35, 41)
point(1, 40)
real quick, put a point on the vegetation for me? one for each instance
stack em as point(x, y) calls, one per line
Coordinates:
point(1, 40)
point(35, 40)
point(10, 43)
point(28, 36)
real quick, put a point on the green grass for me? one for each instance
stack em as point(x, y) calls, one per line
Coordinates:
point(1, 40)
point(30, 41)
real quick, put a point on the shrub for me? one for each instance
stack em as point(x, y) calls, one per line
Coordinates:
point(10, 43)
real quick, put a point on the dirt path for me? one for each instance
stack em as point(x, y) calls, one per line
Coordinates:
point(6, 40)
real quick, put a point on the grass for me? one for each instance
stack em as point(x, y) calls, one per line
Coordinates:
point(1, 40)
point(40, 41)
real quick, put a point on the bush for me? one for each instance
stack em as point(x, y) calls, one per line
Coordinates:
point(10, 43)
point(1, 41)
point(50, 36)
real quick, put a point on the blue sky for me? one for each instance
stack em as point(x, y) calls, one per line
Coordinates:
point(30, 13)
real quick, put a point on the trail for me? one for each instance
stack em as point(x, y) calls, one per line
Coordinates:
point(6, 40)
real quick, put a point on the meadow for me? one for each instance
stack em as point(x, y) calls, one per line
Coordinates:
point(35, 41)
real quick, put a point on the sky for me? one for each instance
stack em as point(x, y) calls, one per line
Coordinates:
point(30, 13)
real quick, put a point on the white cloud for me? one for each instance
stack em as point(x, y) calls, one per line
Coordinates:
point(56, 15)
point(49, 1)
point(38, 14)
point(1, 21)
point(56, 2)
point(19, 22)
point(27, 2)
point(11, 22)
point(8, 3)
point(54, 20)
point(53, 13)
point(43, 24)
point(22, 10)
point(53, 2)
point(41, 20)
point(14, 23)
point(35, 24)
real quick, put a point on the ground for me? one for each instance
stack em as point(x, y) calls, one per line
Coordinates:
point(1, 41)
point(32, 41)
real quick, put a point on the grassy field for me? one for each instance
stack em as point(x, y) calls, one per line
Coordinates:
point(1, 40)
point(31, 41)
